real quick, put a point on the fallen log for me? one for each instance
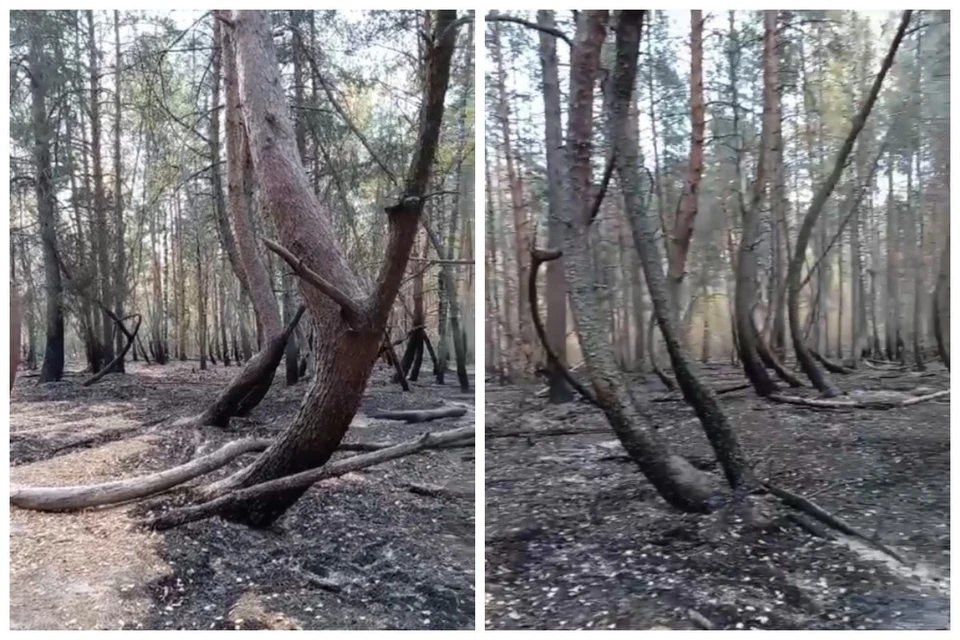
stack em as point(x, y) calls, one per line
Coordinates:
point(419, 415)
point(364, 447)
point(559, 431)
point(97, 495)
point(856, 404)
point(177, 517)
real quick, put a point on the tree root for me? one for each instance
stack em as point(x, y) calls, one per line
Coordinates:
point(856, 404)
point(421, 415)
point(96, 495)
point(306, 479)
point(806, 506)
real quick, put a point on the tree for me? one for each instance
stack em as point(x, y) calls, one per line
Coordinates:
point(805, 359)
point(53, 359)
point(556, 283)
point(349, 323)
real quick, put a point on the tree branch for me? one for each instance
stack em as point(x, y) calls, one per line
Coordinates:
point(351, 310)
point(556, 33)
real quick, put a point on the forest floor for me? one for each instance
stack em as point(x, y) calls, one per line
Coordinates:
point(362, 551)
point(576, 537)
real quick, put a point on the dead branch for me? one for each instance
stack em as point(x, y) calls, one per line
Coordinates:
point(304, 479)
point(351, 310)
point(96, 495)
point(422, 415)
point(529, 433)
point(538, 257)
point(130, 340)
point(803, 504)
point(883, 403)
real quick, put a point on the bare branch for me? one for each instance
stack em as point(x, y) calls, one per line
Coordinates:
point(351, 309)
point(556, 33)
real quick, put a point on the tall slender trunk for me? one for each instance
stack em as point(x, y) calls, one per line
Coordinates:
point(53, 359)
point(119, 248)
point(99, 198)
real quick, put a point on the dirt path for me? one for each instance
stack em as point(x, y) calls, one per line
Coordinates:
point(576, 538)
point(362, 551)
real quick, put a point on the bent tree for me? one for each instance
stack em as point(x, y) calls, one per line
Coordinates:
point(349, 321)
point(804, 357)
point(682, 485)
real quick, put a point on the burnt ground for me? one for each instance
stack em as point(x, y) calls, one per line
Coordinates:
point(362, 551)
point(576, 537)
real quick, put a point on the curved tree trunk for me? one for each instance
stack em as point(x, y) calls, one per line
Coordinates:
point(624, 130)
point(746, 292)
point(941, 304)
point(349, 325)
point(257, 375)
point(674, 478)
point(556, 333)
point(806, 360)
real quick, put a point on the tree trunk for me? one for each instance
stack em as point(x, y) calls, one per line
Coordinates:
point(522, 247)
point(679, 241)
point(746, 292)
point(99, 199)
point(624, 131)
point(119, 257)
point(348, 331)
point(556, 329)
point(941, 305)
point(53, 358)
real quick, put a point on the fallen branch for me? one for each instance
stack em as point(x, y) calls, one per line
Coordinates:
point(421, 415)
point(856, 404)
point(559, 431)
point(96, 495)
point(365, 447)
point(803, 504)
point(304, 479)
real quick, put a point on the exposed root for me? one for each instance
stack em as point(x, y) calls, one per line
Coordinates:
point(96, 495)
point(305, 479)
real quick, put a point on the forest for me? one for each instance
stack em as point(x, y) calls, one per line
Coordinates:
point(717, 254)
point(242, 319)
